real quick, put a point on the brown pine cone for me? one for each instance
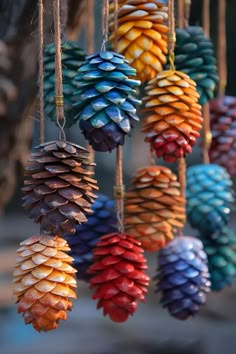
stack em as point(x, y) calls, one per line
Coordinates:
point(44, 281)
point(58, 187)
point(172, 115)
point(141, 35)
point(154, 208)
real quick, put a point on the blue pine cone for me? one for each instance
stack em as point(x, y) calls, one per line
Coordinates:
point(209, 197)
point(106, 99)
point(103, 221)
point(183, 277)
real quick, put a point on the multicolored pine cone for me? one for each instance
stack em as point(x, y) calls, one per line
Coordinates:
point(59, 190)
point(221, 252)
point(183, 277)
point(172, 115)
point(119, 276)
point(103, 221)
point(154, 208)
point(141, 35)
point(209, 197)
point(223, 127)
point(72, 58)
point(106, 99)
point(44, 281)
point(194, 55)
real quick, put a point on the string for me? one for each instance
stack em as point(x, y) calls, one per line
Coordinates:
point(221, 52)
point(41, 73)
point(206, 110)
point(182, 182)
point(187, 9)
point(105, 22)
point(181, 7)
point(172, 35)
point(59, 98)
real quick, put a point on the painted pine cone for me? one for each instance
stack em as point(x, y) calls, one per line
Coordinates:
point(44, 281)
point(221, 252)
point(154, 208)
point(106, 102)
point(223, 127)
point(142, 35)
point(209, 197)
point(58, 187)
point(101, 222)
point(183, 277)
point(119, 279)
point(194, 55)
point(172, 115)
point(72, 58)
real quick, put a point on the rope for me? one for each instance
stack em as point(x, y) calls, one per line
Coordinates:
point(59, 99)
point(105, 22)
point(221, 52)
point(41, 73)
point(171, 35)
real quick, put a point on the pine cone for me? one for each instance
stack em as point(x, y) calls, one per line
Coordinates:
point(72, 58)
point(119, 279)
point(209, 197)
point(173, 116)
point(101, 222)
point(183, 277)
point(106, 104)
point(44, 281)
point(154, 207)
point(221, 252)
point(194, 55)
point(223, 126)
point(58, 187)
point(142, 35)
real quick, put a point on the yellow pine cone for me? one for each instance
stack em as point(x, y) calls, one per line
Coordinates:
point(44, 281)
point(173, 116)
point(141, 35)
point(154, 208)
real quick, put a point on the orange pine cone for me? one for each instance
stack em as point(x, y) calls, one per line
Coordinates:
point(154, 208)
point(44, 281)
point(172, 115)
point(141, 35)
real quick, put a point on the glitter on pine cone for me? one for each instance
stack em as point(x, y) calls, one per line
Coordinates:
point(183, 277)
point(106, 100)
point(119, 279)
point(154, 208)
point(223, 127)
point(44, 281)
point(194, 55)
point(58, 186)
point(221, 252)
point(209, 197)
point(141, 35)
point(103, 221)
point(172, 115)
point(72, 58)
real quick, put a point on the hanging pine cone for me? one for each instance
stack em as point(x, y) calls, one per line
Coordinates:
point(209, 197)
point(223, 126)
point(72, 58)
point(106, 102)
point(194, 55)
point(119, 279)
point(103, 221)
point(154, 208)
point(58, 187)
point(221, 252)
point(183, 277)
point(44, 281)
point(141, 35)
point(173, 116)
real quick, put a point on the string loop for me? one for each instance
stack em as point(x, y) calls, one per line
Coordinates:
point(41, 72)
point(105, 23)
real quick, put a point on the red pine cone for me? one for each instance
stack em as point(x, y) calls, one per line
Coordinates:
point(119, 279)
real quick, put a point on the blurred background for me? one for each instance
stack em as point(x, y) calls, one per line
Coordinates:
point(151, 330)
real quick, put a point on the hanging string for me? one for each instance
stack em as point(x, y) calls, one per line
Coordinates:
point(207, 137)
point(41, 72)
point(105, 22)
point(221, 50)
point(59, 98)
point(187, 9)
point(181, 7)
point(172, 35)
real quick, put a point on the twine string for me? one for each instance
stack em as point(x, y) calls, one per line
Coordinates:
point(181, 8)
point(105, 23)
point(187, 11)
point(222, 47)
point(41, 73)
point(59, 98)
point(171, 35)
